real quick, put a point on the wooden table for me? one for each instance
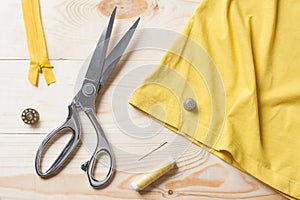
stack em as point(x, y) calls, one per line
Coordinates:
point(72, 29)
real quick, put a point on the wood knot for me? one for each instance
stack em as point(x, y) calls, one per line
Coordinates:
point(126, 8)
point(170, 192)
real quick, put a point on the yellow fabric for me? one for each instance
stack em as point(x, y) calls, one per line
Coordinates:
point(240, 61)
point(39, 62)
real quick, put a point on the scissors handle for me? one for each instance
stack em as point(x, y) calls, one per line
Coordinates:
point(71, 124)
point(102, 147)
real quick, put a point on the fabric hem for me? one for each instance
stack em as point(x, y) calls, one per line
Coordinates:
point(252, 166)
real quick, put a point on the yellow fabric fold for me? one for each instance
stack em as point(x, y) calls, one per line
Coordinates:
point(239, 60)
point(39, 62)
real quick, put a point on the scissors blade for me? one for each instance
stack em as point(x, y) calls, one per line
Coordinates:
point(114, 57)
point(97, 62)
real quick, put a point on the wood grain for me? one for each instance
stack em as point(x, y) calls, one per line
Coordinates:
point(199, 175)
point(72, 29)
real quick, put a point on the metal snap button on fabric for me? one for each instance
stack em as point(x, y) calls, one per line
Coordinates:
point(189, 104)
point(30, 116)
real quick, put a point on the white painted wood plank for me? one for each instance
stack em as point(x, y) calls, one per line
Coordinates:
point(51, 101)
point(198, 176)
point(72, 28)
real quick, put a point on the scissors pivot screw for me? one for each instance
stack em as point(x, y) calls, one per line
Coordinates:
point(88, 89)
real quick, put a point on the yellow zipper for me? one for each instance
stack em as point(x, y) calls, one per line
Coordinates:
point(39, 62)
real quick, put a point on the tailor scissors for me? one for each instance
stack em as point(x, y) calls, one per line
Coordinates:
point(100, 68)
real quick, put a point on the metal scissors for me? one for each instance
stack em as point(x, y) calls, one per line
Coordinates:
point(100, 68)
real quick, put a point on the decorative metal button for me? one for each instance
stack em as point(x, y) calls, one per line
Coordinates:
point(30, 116)
point(189, 104)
